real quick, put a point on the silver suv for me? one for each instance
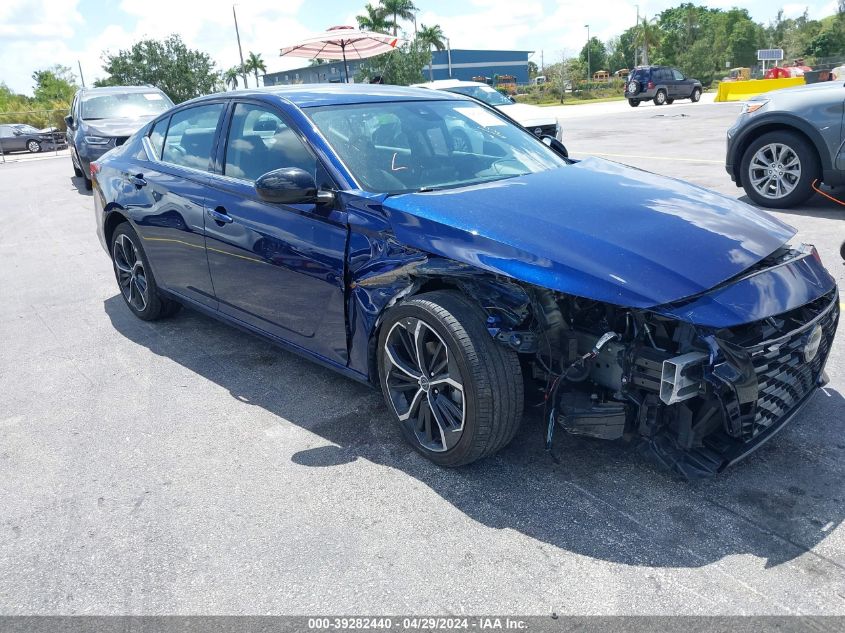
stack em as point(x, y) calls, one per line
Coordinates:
point(786, 141)
point(103, 118)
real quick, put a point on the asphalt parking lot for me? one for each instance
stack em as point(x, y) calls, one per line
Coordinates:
point(183, 467)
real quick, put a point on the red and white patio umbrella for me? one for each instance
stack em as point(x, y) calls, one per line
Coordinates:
point(343, 42)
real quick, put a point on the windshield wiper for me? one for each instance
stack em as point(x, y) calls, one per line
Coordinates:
point(466, 184)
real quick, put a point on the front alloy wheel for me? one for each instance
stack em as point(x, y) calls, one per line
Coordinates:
point(424, 384)
point(455, 392)
point(778, 170)
point(33, 146)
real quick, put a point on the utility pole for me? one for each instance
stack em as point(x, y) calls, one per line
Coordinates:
point(240, 52)
point(81, 77)
point(589, 73)
point(542, 64)
point(635, 34)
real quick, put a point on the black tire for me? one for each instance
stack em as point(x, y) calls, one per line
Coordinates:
point(76, 170)
point(633, 102)
point(809, 169)
point(660, 97)
point(489, 373)
point(842, 250)
point(33, 146)
point(155, 306)
point(670, 101)
point(695, 97)
point(88, 184)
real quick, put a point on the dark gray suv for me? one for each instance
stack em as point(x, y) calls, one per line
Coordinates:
point(785, 141)
point(661, 84)
point(103, 118)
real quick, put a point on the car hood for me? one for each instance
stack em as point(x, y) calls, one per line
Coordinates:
point(527, 115)
point(594, 229)
point(115, 127)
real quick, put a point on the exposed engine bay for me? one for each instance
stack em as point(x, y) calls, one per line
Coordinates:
point(695, 399)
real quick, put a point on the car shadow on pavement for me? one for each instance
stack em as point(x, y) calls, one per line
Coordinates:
point(600, 499)
point(817, 207)
point(78, 183)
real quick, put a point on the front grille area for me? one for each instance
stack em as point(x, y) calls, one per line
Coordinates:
point(545, 130)
point(784, 376)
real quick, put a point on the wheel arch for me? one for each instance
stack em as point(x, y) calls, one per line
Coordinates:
point(505, 302)
point(785, 124)
point(113, 217)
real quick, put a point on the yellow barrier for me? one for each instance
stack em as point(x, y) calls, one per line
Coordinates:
point(742, 90)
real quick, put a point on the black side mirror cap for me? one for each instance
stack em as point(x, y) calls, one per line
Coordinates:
point(555, 145)
point(69, 121)
point(290, 185)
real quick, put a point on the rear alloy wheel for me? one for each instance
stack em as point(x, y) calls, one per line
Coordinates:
point(778, 170)
point(660, 98)
point(135, 279)
point(633, 102)
point(695, 97)
point(456, 393)
point(33, 146)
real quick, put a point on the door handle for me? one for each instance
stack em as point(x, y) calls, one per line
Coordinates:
point(220, 216)
point(137, 180)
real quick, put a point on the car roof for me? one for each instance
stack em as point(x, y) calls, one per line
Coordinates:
point(442, 84)
point(110, 90)
point(312, 95)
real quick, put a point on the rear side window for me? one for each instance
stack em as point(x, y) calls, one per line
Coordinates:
point(640, 74)
point(260, 141)
point(678, 75)
point(190, 137)
point(157, 135)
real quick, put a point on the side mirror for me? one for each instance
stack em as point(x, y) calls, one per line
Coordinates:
point(69, 121)
point(555, 145)
point(290, 185)
point(17, 132)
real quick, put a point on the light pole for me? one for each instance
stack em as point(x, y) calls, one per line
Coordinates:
point(589, 69)
point(635, 34)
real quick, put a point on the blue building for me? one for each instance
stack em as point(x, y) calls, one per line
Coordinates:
point(464, 64)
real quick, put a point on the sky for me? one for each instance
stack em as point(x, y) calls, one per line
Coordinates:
point(36, 34)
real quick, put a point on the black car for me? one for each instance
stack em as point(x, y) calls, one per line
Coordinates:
point(661, 84)
point(22, 137)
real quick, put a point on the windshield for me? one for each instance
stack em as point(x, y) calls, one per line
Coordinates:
point(424, 145)
point(27, 129)
point(124, 106)
point(483, 93)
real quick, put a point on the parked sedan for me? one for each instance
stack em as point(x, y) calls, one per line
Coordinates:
point(20, 137)
point(464, 282)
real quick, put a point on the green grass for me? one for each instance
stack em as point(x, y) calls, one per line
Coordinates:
point(567, 101)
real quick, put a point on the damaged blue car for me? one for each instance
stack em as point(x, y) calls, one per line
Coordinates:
point(422, 242)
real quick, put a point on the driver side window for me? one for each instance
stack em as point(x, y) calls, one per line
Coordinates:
point(260, 141)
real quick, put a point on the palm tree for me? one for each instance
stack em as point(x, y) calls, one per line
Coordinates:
point(375, 20)
point(647, 34)
point(431, 36)
point(253, 64)
point(231, 77)
point(404, 9)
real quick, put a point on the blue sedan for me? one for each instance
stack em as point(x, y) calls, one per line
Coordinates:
point(356, 226)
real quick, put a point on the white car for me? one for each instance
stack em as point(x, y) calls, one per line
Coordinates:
point(533, 118)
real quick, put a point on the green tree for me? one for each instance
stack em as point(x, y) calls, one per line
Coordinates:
point(533, 70)
point(57, 83)
point(231, 77)
point(431, 36)
point(402, 66)
point(646, 36)
point(253, 64)
point(375, 20)
point(598, 55)
point(404, 9)
point(180, 72)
